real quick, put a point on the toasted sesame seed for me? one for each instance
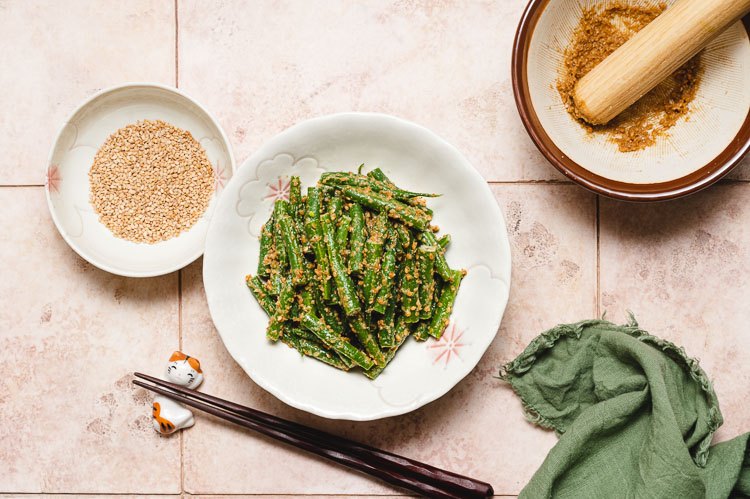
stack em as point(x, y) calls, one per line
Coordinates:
point(150, 182)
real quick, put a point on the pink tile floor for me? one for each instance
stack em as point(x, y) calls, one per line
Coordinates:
point(70, 421)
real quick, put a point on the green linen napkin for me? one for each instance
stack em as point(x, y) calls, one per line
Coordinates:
point(634, 414)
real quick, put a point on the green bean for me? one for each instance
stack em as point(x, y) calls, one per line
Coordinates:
point(408, 215)
point(344, 285)
point(306, 301)
point(346, 360)
point(266, 245)
point(403, 330)
point(297, 211)
point(405, 237)
point(285, 300)
point(388, 270)
point(366, 338)
point(373, 254)
point(326, 190)
point(280, 208)
point(311, 349)
point(335, 208)
point(375, 371)
point(307, 344)
point(335, 341)
point(436, 294)
point(365, 182)
point(420, 332)
point(410, 288)
point(426, 256)
point(304, 333)
point(347, 272)
point(272, 265)
point(293, 251)
point(342, 232)
point(378, 174)
point(358, 237)
point(314, 234)
point(342, 240)
point(441, 265)
point(257, 288)
point(295, 198)
point(282, 311)
point(292, 341)
point(294, 311)
point(441, 316)
point(329, 315)
point(276, 281)
point(387, 326)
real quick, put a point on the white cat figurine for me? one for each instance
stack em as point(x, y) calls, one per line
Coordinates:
point(168, 415)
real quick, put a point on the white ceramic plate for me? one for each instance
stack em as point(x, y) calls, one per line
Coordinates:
point(414, 158)
point(72, 155)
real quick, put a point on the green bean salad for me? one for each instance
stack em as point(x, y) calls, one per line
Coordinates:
point(351, 270)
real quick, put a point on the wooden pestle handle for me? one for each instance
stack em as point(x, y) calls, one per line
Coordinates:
point(652, 54)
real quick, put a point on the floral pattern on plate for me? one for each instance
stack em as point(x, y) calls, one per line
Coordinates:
point(219, 178)
point(256, 197)
point(52, 179)
point(448, 346)
point(279, 190)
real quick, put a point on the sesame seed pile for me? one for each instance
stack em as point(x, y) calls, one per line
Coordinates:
point(150, 182)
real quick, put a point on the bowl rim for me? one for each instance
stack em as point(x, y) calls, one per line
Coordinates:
point(695, 181)
point(53, 212)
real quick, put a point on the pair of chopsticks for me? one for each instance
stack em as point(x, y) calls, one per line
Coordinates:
point(396, 470)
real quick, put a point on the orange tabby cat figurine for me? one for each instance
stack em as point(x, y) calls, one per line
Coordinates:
point(168, 415)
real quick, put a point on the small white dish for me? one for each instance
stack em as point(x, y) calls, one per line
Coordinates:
point(71, 157)
point(414, 158)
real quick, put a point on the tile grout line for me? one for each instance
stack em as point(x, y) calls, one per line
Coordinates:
point(491, 182)
point(598, 260)
point(176, 47)
point(531, 182)
point(179, 272)
point(166, 494)
point(179, 329)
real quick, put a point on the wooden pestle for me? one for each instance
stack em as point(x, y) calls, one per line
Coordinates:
point(652, 54)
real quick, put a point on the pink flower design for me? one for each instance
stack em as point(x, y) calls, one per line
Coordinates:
point(52, 180)
point(448, 344)
point(278, 190)
point(218, 177)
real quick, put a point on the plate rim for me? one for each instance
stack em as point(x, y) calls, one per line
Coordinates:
point(506, 277)
point(53, 212)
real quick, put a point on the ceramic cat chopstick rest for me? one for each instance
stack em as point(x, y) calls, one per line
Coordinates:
point(168, 415)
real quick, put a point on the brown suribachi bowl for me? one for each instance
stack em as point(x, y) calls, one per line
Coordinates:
point(710, 144)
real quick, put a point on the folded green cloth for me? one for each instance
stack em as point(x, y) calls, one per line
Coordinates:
point(634, 414)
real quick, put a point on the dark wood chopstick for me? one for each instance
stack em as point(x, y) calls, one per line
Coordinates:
point(459, 482)
point(394, 469)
